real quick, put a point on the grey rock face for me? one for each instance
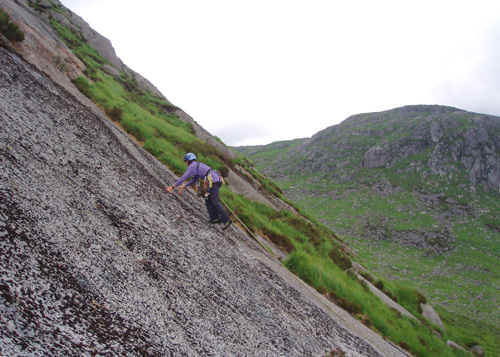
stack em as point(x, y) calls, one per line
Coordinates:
point(436, 132)
point(97, 259)
point(377, 157)
point(42, 46)
point(112, 71)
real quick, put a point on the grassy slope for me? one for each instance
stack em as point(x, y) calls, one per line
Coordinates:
point(462, 286)
point(315, 253)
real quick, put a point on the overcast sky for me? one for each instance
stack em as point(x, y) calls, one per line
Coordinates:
point(254, 72)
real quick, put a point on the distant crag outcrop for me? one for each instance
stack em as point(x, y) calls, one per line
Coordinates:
point(446, 137)
point(460, 148)
point(437, 139)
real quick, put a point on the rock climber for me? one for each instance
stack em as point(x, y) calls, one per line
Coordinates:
point(214, 180)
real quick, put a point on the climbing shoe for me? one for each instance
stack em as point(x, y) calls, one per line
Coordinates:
point(215, 221)
point(227, 224)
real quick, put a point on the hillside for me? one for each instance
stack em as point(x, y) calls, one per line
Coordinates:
point(415, 192)
point(98, 259)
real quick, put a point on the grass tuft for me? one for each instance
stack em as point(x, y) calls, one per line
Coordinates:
point(9, 29)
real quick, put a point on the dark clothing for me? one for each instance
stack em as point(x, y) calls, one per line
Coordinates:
point(214, 207)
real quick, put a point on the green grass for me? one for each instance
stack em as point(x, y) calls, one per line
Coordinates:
point(344, 289)
point(462, 285)
point(10, 30)
point(309, 258)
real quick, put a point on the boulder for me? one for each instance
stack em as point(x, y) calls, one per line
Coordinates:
point(358, 268)
point(44, 4)
point(454, 345)
point(430, 314)
point(112, 71)
point(477, 350)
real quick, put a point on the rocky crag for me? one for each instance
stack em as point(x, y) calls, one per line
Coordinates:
point(97, 258)
point(426, 150)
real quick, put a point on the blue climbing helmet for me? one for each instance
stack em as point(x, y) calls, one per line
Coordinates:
point(189, 157)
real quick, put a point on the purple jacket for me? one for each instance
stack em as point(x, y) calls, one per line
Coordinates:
point(196, 172)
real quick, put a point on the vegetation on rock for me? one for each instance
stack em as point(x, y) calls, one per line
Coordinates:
point(9, 29)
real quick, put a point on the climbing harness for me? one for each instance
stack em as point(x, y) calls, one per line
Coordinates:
point(208, 181)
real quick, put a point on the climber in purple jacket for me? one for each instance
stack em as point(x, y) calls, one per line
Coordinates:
point(197, 170)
